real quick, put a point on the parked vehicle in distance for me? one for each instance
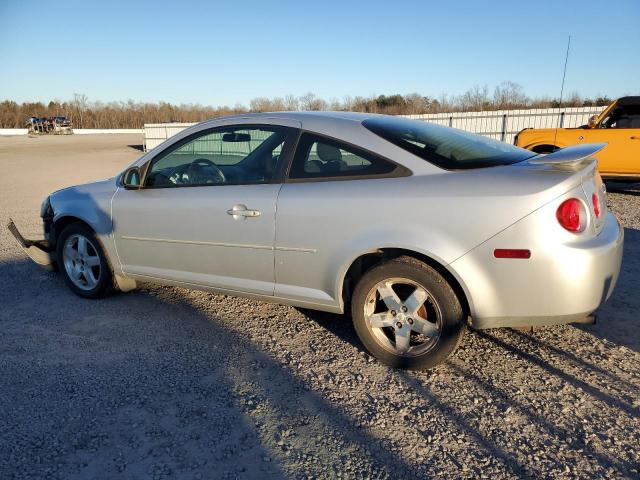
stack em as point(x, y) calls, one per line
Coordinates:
point(618, 126)
point(57, 125)
point(416, 229)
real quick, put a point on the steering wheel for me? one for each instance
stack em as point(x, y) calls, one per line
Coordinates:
point(177, 175)
point(197, 172)
point(203, 170)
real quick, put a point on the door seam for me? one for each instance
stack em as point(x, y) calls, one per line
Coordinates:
point(275, 238)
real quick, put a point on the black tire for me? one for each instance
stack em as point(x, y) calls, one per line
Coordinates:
point(451, 324)
point(104, 282)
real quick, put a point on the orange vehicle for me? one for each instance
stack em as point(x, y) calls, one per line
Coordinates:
point(618, 126)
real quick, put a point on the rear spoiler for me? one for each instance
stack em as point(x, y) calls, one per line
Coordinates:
point(570, 156)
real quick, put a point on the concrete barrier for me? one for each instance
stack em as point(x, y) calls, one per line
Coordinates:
point(94, 131)
point(13, 131)
point(76, 131)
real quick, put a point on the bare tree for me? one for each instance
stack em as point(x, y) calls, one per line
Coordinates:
point(309, 101)
point(476, 98)
point(79, 105)
point(260, 104)
point(131, 114)
point(509, 95)
point(291, 103)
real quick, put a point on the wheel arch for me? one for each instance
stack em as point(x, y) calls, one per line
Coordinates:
point(543, 148)
point(121, 282)
point(364, 262)
point(61, 222)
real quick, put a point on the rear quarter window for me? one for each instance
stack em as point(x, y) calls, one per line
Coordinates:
point(445, 147)
point(320, 157)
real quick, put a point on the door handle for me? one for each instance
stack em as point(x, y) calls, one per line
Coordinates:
point(635, 138)
point(241, 212)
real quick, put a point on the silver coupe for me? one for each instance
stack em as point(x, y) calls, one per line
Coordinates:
point(417, 230)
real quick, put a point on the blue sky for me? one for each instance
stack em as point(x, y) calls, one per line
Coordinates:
point(228, 52)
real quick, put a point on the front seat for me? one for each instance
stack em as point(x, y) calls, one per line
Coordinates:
point(623, 122)
point(630, 121)
point(331, 157)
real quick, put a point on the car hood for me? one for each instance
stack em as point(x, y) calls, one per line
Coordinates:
point(97, 185)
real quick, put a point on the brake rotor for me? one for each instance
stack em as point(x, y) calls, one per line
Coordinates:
point(422, 312)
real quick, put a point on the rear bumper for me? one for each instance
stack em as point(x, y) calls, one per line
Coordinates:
point(37, 250)
point(561, 283)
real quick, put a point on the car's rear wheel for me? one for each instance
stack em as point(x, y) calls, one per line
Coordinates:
point(407, 315)
point(82, 262)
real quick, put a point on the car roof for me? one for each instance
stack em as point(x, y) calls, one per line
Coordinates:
point(344, 126)
point(628, 101)
point(317, 118)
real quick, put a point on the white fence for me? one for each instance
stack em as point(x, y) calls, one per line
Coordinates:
point(500, 125)
point(505, 124)
point(156, 133)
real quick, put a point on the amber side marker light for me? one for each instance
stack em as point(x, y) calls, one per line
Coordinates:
point(512, 253)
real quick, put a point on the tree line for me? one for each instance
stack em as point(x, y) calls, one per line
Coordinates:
point(130, 114)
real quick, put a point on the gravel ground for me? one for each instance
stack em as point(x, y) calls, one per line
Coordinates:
point(169, 383)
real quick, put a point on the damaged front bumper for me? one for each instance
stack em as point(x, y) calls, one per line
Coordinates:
point(38, 250)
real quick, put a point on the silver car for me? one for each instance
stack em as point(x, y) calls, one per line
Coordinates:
point(417, 230)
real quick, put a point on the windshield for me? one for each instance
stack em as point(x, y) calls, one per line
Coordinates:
point(445, 147)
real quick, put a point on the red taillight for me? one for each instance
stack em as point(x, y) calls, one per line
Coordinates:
point(570, 215)
point(512, 253)
point(596, 204)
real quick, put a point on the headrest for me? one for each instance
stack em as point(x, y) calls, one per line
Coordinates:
point(328, 153)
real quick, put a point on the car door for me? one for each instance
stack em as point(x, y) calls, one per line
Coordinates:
point(205, 214)
point(620, 129)
point(326, 203)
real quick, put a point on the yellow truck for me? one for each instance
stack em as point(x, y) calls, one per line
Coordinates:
point(618, 126)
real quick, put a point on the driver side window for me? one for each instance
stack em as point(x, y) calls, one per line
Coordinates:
point(623, 117)
point(223, 156)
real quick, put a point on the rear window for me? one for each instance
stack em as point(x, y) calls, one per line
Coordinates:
point(446, 147)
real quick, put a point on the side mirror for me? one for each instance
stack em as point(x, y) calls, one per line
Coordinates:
point(593, 121)
point(131, 178)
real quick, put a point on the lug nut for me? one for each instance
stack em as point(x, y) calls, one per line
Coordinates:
point(404, 309)
point(399, 325)
point(393, 312)
point(410, 320)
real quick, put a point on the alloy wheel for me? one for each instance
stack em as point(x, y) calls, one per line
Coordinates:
point(81, 262)
point(403, 316)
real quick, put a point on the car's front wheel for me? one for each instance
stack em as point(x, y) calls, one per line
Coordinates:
point(82, 262)
point(407, 315)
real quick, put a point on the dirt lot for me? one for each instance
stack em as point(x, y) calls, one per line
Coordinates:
point(167, 383)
